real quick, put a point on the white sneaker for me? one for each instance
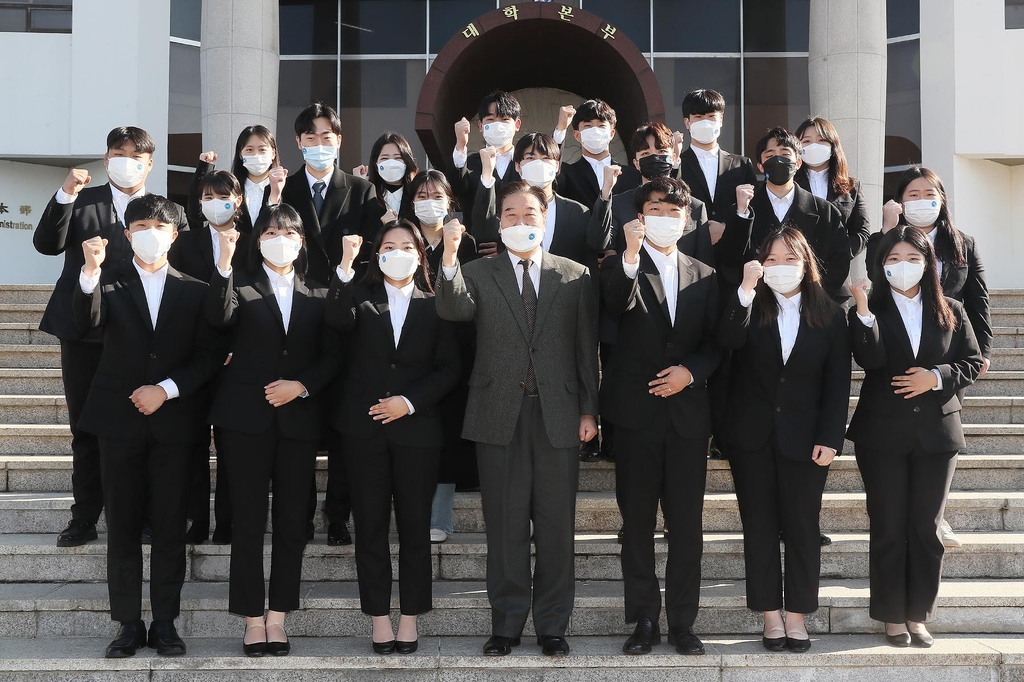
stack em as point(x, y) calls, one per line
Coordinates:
point(438, 535)
point(949, 538)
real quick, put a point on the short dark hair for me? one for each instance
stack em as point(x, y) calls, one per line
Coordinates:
point(594, 110)
point(676, 192)
point(662, 137)
point(281, 216)
point(541, 143)
point(431, 176)
point(304, 121)
point(222, 182)
point(505, 105)
point(703, 102)
point(782, 137)
point(374, 277)
point(152, 207)
point(237, 167)
point(521, 187)
point(142, 140)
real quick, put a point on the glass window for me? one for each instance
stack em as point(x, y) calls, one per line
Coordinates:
point(1014, 14)
point(631, 18)
point(383, 26)
point(776, 25)
point(184, 114)
point(186, 18)
point(178, 185)
point(903, 104)
point(777, 94)
point(449, 17)
point(309, 26)
point(301, 82)
point(33, 16)
point(679, 76)
point(13, 20)
point(902, 17)
point(707, 27)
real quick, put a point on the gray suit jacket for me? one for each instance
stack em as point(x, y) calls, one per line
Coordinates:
point(563, 346)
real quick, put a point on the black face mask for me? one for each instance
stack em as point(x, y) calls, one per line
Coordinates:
point(655, 166)
point(779, 170)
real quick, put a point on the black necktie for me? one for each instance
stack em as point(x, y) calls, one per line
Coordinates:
point(318, 197)
point(530, 307)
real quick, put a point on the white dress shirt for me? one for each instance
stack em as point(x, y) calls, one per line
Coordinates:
point(708, 161)
point(393, 199)
point(788, 319)
point(120, 199)
point(781, 205)
point(668, 272)
point(818, 181)
point(501, 161)
point(931, 238)
point(549, 226)
point(598, 165)
point(912, 313)
point(254, 197)
point(535, 259)
point(284, 287)
point(215, 237)
point(313, 180)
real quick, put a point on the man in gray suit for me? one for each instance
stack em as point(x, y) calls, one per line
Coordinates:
point(532, 400)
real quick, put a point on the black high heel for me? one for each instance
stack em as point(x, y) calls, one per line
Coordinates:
point(384, 648)
point(407, 647)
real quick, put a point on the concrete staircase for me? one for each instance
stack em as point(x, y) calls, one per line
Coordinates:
point(53, 602)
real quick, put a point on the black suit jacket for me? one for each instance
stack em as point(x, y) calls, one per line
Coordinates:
point(183, 348)
point(262, 352)
point(852, 208)
point(577, 181)
point(192, 253)
point(350, 207)
point(424, 367)
point(465, 184)
point(194, 208)
point(696, 239)
point(891, 423)
point(648, 343)
point(62, 229)
point(801, 403)
point(818, 220)
point(965, 283)
point(733, 170)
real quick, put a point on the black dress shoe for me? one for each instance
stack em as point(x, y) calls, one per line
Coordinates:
point(714, 452)
point(164, 638)
point(500, 646)
point(773, 643)
point(337, 534)
point(825, 540)
point(590, 451)
point(685, 642)
point(618, 538)
point(923, 641)
point(384, 648)
point(222, 537)
point(146, 536)
point(197, 535)
point(130, 638)
point(901, 640)
point(551, 645)
point(407, 647)
point(645, 635)
point(798, 645)
point(256, 649)
point(77, 533)
point(279, 648)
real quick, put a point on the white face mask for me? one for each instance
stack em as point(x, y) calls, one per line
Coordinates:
point(664, 231)
point(706, 130)
point(816, 153)
point(539, 172)
point(391, 170)
point(319, 157)
point(922, 212)
point(430, 211)
point(280, 251)
point(499, 133)
point(522, 238)
point(904, 275)
point(258, 164)
point(125, 171)
point(398, 264)
point(151, 245)
point(783, 279)
point(219, 211)
point(596, 140)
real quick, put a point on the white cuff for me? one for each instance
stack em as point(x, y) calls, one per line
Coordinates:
point(869, 322)
point(459, 158)
point(88, 283)
point(559, 135)
point(677, 163)
point(745, 214)
point(630, 269)
point(487, 182)
point(345, 277)
point(745, 298)
point(224, 273)
point(63, 197)
point(412, 410)
point(449, 273)
point(170, 388)
point(938, 378)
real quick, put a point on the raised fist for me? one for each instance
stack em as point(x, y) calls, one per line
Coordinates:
point(565, 115)
point(277, 178)
point(95, 250)
point(891, 213)
point(488, 161)
point(228, 243)
point(453, 230)
point(744, 193)
point(350, 245)
point(752, 271)
point(76, 180)
point(361, 171)
point(462, 134)
point(634, 232)
point(611, 176)
point(208, 157)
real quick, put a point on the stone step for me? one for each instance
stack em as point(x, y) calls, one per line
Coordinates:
point(1008, 317)
point(24, 333)
point(30, 356)
point(36, 558)
point(31, 382)
point(22, 312)
point(331, 609)
point(1006, 298)
point(596, 512)
point(25, 293)
point(1008, 337)
point(994, 383)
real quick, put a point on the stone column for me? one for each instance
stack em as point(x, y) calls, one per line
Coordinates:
point(238, 62)
point(847, 71)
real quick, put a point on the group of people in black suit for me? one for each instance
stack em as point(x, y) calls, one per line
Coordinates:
point(354, 313)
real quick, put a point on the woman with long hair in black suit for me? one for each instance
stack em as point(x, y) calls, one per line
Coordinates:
point(919, 353)
point(785, 418)
point(268, 407)
point(392, 168)
point(402, 359)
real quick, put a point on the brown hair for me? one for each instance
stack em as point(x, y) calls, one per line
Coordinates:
point(838, 170)
point(816, 308)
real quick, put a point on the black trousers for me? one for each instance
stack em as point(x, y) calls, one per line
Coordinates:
point(130, 468)
point(338, 501)
point(653, 465)
point(255, 461)
point(777, 494)
point(529, 479)
point(78, 363)
point(906, 494)
point(199, 489)
point(382, 472)
point(607, 428)
point(718, 393)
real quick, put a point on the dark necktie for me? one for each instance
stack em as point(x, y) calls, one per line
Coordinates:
point(318, 197)
point(530, 307)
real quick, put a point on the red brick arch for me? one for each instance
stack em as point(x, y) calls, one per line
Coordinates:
point(531, 45)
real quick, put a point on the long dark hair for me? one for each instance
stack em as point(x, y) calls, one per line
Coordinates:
point(931, 291)
point(816, 308)
point(391, 137)
point(428, 177)
point(838, 170)
point(222, 182)
point(949, 242)
point(281, 216)
point(373, 277)
point(237, 167)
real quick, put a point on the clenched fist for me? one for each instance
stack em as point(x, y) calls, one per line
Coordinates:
point(891, 213)
point(95, 250)
point(361, 171)
point(752, 271)
point(453, 230)
point(228, 243)
point(611, 176)
point(277, 177)
point(634, 232)
point(462, 135)
point(208, 157)
point(350, 245)
point(565, 115)
point(488, 161)
point(76, 180)
point(744, 193)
